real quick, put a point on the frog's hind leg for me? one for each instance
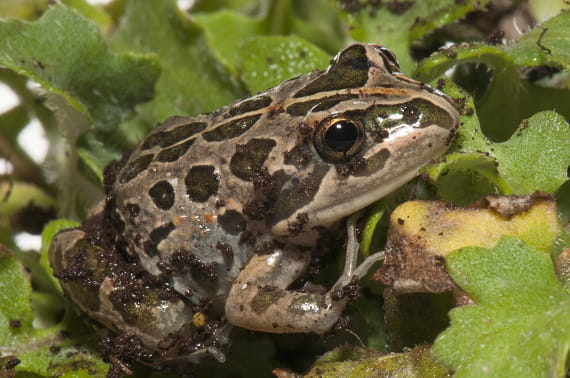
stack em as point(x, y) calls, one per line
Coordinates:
point(129, 301)
point(259, 298)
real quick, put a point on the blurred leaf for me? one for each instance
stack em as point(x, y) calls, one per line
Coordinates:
point(94, 13)
point(242, 5)
point(66, 54)
point(227, 31)
point(269, 60)
point(192, 81)
point(22, 9)
point(520, 321)
point(22, 205)
point(543, 10)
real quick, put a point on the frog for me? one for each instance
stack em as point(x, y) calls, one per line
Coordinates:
point(213, 220)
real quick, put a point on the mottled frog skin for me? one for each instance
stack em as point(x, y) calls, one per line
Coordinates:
point(212, 218)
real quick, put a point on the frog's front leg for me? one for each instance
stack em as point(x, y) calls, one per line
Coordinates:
point(259, 299)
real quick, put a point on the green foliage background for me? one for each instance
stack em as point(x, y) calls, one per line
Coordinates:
point(107, 75)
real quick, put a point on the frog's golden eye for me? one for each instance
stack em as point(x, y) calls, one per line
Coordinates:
point(338, 139)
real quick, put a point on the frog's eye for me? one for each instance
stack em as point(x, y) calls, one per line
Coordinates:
point(338, 139)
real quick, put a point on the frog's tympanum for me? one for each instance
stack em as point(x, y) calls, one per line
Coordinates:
point(212, 218)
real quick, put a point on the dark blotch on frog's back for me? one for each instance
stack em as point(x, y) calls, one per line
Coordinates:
point(349, 71)
point(162, 194)
point(249, 105)
point(135, 167)
point(295, 194)
point(183, 261)
point(299, 156)
point(156, 236)
point(172, 131)
point(431, 114)
point(373, 164)
point(231, 129)
point(250, 157)
point(174, 153)
point(265, 297)
point(133, 210)
point(302, 108)
point(228, 254)
point(201, 182)
point(232, 222)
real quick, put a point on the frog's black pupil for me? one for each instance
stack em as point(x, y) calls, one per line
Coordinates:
point(341, 136)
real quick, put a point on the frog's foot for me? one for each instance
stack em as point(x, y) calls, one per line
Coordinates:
point(259, 298)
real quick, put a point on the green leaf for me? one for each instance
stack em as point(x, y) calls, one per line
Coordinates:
point(214, 5)
point(536, 157)
point(510, 97)
point(67, 55)
point(519, 325)
point(267, 61)
point(192, 81)
point(375, 214)
point(227, 31)
point(548, 44)
point(359, 362)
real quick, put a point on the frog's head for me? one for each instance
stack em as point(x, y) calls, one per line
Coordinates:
point(366, 130)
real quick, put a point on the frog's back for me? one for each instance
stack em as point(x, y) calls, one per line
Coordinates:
point(189, 198)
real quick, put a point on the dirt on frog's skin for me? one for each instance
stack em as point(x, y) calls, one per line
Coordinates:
point(121, 352)
point(124, 351)
point(297, 226)
point(351, 167)
point(351, 291)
